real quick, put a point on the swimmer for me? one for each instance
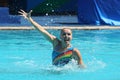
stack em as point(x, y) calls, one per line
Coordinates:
point(63, 52)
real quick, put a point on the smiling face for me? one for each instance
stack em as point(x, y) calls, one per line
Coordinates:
point(66, 35)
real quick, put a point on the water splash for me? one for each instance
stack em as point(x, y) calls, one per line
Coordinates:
point(27, 63)
point(31, 66)
point(69, 68)
point(94, 65)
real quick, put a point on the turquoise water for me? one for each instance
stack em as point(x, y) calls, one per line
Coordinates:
point(26, 55)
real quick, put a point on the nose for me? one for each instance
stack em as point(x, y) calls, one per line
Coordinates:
point(66, 35)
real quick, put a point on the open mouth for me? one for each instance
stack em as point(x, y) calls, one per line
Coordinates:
point(66, 39)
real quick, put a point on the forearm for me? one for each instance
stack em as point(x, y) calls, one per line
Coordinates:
point(44, 32)
point(36, 25)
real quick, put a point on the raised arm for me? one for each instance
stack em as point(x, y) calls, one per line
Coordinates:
point(45, 33)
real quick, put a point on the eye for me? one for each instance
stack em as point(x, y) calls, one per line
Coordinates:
point(69, 34)
point(66, 34)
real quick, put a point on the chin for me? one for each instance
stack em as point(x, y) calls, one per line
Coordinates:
point(67, 42)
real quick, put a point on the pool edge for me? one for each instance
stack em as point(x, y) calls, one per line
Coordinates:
point(60, 27)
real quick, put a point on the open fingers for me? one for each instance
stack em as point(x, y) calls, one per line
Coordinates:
point(22, 11)
point(24, 14)
point(31, 11)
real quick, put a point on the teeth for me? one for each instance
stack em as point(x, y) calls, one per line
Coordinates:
point(66, 39)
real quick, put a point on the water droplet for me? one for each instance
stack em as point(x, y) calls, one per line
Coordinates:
point(51, 20)
point(46, 14)
point(52, 10)
point(47, 4)
point(46, 24)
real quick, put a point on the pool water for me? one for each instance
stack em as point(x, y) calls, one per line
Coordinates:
point(26, 55)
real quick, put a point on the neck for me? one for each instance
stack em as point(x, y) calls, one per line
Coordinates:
point(66, 45)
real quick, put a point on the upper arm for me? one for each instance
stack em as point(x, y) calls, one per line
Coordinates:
point(76, 53)
point(48, 36)
point(77, 56)
point(51, 38)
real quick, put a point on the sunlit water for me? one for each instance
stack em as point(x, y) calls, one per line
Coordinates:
point(26, 55)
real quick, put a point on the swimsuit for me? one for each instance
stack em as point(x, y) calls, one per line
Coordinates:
point(62, 58)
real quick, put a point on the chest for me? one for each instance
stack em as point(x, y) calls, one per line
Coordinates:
point(56, 56)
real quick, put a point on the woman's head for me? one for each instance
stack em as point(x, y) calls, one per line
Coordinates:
point(66, 35)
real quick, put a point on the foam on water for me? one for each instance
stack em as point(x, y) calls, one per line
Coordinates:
point(21, 64)
point(91, 66)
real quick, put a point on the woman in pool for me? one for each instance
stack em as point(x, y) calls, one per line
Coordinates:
point(63, 52)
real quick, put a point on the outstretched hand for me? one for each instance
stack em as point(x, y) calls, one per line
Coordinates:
point(25, 14)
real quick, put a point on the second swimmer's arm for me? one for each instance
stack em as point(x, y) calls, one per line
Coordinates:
point(45, 33)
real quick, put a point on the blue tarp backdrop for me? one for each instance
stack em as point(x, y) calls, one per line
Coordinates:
point(99, 12)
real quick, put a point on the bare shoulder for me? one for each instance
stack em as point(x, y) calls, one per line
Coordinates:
point(75, 50)
point(56, 41)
